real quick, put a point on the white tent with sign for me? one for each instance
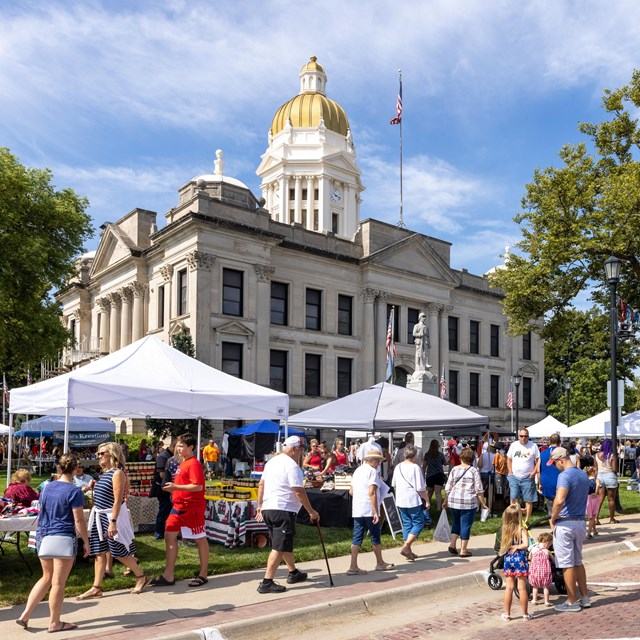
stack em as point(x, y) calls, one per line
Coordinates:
point(387, 407)
point(628, 426)
point(149, 379)
point(546, 427)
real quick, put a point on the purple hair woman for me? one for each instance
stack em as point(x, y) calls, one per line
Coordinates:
point(607, 465)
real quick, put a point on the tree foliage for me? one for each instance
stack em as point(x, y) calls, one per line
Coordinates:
point(42, 231)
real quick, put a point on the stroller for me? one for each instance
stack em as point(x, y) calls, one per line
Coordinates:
point(494, 579)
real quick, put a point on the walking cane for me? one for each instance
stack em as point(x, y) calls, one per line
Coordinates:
point(324, 551)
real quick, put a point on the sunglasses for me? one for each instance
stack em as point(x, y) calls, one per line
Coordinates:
point(102, 453)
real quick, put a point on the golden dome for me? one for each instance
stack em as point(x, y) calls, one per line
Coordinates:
point(306, 110)
point(312, 65)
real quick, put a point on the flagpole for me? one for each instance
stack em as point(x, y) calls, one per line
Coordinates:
point(401, 222)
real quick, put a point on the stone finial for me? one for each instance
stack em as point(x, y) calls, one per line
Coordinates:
point(218, 163)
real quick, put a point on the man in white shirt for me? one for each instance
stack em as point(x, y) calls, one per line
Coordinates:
point(523, 463)
point(280, 496)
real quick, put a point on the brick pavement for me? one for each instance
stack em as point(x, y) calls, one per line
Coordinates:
point(614, 614)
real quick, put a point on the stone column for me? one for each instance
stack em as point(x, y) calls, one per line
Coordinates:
point(367, 351)
point(83, 325)
point(200, 264)
point(284, 199)
point(261, 352)
point(324, 210)
point(126, 295)
point(298, 199)
point(381, 336)
point(114, 338)
point(310, 205)
point(434, 341)
point(105, 308)
point(138, 289)
point(443, 360)
point(166, 271)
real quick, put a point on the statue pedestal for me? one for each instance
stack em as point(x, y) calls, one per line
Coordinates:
point(423, 381)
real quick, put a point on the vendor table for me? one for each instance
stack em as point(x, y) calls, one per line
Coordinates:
point(333, 506)
point(229, 522)
point(16, 525)
point(144, 511)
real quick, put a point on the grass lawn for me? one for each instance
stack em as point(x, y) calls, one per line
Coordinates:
point(15, 581)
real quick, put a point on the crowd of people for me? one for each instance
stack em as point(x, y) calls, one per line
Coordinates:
point(412, 475)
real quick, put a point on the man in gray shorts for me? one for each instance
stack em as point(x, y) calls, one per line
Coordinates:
point(569, 529)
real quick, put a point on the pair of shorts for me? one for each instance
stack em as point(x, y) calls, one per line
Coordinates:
point(212, 466)
point(568, 537)
point(608, 479)
point(363, 524)
point(190, 524)
point(524, 488)
point(436, 480)
point(282, 528)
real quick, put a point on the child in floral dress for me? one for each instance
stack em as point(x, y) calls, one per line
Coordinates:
point(540, 567)
point(514, 544)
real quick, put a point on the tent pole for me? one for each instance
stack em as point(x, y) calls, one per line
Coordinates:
point(65, 446)
point(9, 453)
point(199, 436)
point(40, 465)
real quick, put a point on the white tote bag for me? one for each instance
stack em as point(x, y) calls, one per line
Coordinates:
point(443, 530)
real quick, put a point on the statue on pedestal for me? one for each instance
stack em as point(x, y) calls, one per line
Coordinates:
point(421, 341)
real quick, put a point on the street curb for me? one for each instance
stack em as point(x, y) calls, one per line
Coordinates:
point(310, 616)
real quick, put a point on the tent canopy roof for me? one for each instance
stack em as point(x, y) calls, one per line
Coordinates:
point(263, 426)
point(387, 407)
point(150, 378)
point(546, 427)
point(48, 424)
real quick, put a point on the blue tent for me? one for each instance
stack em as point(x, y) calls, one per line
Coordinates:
point(263, 426)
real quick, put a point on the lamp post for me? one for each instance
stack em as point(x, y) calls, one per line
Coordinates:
point(567, 386)
point(612, 270)
point(517, 378)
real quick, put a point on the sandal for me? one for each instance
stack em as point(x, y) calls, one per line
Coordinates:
point(356, 572)
point(527, 617)
point(145, 584)
point(198, 581)
point(66, 626)
point(92, 594)
point(408, 555)
point(386, 566)
point(613, 521)
point(23, 623)
point(453, 551)
point(109, 574)
point(468, 554)
point(505, 617)
point(161, 581)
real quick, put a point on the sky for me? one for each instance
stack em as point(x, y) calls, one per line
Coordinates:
point(126, 101)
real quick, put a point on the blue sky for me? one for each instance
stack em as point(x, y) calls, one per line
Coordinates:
point(126, 101)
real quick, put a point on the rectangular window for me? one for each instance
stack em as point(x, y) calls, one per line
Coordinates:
point(304, 194)
point(474, 389)
point(312, 363)
point(316, 194)
point(292, 195)
point(474, 336)
point(335, 222)
point(313, 310)
point(452, 386)
point(279, 303)
point(412, 321)
point(232, 292)
point(315, 219)
point(526, 393)
point(182, 292)
point(495, 340)
point(160, 306)
point(495, 390)
point(396, 322)
point(345, 369)
point(345, 315)
point(232, 359)
point(278, 371)
point(526, 346)
point(453, 334)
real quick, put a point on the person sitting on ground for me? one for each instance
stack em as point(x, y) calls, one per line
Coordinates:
point(313, 460)
point(19, 490)
point(367, 494)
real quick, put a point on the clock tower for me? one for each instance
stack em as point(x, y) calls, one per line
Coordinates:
point(309, 171)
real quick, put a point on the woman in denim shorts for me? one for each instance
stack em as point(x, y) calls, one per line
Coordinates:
point(607, 465)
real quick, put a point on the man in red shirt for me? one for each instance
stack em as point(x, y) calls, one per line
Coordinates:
point(187, 515)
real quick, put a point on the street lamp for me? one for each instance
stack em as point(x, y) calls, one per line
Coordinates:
point(612, 270)
point(567, 386)
point(517, 378)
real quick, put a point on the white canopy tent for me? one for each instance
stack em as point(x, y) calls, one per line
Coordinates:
point(149, 379)
point(593, 427)
point(628, 426)
point(546, 427)
point(387, 407)
point(5, 430)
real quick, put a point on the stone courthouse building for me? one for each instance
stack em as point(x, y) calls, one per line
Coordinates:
point(292, 289)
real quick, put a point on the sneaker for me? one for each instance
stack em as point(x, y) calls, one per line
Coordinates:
point(585, 602)
point(296, 576)
point(590, 535)
point(271, 587)
point(566, 607)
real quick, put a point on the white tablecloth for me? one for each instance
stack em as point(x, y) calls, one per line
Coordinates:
point(18, 524)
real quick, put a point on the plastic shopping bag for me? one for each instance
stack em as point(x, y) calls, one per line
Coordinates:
point(443, 530)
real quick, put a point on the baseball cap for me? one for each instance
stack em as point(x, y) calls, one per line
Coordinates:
point(557, 454)
point(293, 441)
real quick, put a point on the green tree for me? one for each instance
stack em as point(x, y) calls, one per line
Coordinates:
point(42, 231)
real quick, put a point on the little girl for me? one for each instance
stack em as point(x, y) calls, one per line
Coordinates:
point(593, 501)
point(540, 568)
point(514, 544)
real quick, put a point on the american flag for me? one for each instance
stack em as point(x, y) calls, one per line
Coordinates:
point(5, 390)
point(390, 347)
point(29, 378)
point(510, 397)
point(443, 385)
point(398, 118)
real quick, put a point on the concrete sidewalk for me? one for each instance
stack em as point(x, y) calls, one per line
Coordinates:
point(229, 606)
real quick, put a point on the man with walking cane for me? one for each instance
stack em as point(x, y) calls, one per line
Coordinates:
point(280, 496)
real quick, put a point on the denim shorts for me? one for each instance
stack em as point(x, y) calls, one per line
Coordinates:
point(608, 479)
point(360, 527)
point(524, 488)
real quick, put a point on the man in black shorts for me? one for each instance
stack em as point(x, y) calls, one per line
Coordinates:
point(280, 496)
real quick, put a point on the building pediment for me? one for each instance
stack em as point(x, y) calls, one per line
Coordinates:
point(115, 247)
point(413, 255)
point(234, 328)
point(529, 369)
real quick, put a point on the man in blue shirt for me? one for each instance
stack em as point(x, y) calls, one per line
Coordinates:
point(548, 474)
point(567, 519)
